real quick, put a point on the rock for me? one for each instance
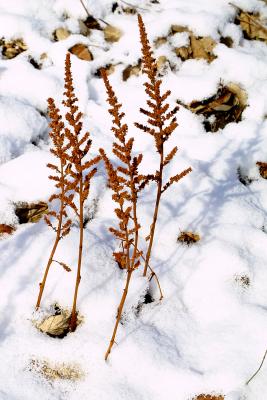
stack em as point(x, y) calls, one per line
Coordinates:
point(61, 34)
point(82, 52)
point(112, 34)
point(32, 212)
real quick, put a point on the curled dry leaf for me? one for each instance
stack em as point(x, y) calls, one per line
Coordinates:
point(188, 237)
point(30, 212)
point(82, 52)
point(112, 34)
point(224, 107)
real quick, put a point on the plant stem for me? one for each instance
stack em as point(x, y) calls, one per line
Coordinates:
point(156, 209)
point(42, 284)
point(120, 309)
point(258, 370)
point(73, 319)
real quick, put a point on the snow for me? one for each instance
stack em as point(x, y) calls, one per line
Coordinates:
point(208, 333)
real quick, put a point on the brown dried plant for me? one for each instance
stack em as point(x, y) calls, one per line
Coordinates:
point(73, 175)
point(63, 183)
point(125, 182)
point(80, 170)
point(161, 123)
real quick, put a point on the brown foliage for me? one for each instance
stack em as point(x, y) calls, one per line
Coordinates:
point(72, 175)
point(161, 123)
point(125, 182)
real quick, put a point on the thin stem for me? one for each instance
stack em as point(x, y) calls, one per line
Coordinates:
point(87, 12)
point(73, 320)
point(156, 210)
point(120, 309)
point(258, 370)
point(58, 237)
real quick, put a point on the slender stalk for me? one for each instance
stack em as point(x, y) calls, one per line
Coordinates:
point(87, 12)
point(156, 210)
point(58, 236)
point(73, 320)
point(258, 370)
point(120, 309)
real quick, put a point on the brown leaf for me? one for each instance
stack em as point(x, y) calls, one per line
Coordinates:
point(31, 212)
point(6, 229)
point(252, 26)
point(262, 169)
point(131, 70)
point(188, 237)
point(82, 52)
point(112, 34)
point(61, 34)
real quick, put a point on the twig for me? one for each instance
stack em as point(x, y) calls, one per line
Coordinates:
point(87, 12)
point(253, 376)
point(153, 274)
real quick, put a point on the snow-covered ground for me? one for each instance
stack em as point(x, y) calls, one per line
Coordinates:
point(208, 334)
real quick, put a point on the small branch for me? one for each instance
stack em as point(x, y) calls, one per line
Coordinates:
point(153, 274)
point(253, 376)
point(87, 12)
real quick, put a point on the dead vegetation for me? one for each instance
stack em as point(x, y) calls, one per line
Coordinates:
point(56, 371)
point(198, 47)
point(262, 169)
point(208, 397)
point(188, 238)
point(222, 108)
point(30, 212)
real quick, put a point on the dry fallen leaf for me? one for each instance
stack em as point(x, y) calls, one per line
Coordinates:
point(6, 229)
point(131, 70)
point(55, 325)
point(252, 26)
point(30, 212)
point(61, 34)
point(188, 237)
point(112, 34)
point(82, 52)
point(224, 107)
point(11, 49)
point(262, 169)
